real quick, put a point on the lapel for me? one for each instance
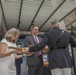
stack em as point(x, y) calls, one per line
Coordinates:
point(33, 39)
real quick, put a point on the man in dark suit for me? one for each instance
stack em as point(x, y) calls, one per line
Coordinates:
point(34, 61)
point(60, 59)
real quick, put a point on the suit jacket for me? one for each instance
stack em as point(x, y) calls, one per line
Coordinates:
point(29, 40)
point(50, 38)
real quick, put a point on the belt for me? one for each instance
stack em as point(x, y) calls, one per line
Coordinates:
point(58, 48)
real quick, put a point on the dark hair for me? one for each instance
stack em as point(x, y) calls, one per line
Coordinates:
point(54, 21)
point(33, 26)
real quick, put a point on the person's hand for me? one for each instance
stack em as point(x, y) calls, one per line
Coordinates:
point(14, 51)
point(19, 52)
point(25, 50)
point(29, 54)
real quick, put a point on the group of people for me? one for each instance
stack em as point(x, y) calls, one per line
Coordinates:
point(57, 40)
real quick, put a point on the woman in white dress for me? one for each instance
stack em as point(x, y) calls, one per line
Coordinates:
point(8, 56)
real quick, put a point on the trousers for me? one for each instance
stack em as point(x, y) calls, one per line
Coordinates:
point(63, 71)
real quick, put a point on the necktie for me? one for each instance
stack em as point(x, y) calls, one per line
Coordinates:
point(36, 40)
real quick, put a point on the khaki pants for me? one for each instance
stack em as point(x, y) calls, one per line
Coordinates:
point(64, 71)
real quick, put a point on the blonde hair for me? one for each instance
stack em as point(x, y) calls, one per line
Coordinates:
point(10, 33)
